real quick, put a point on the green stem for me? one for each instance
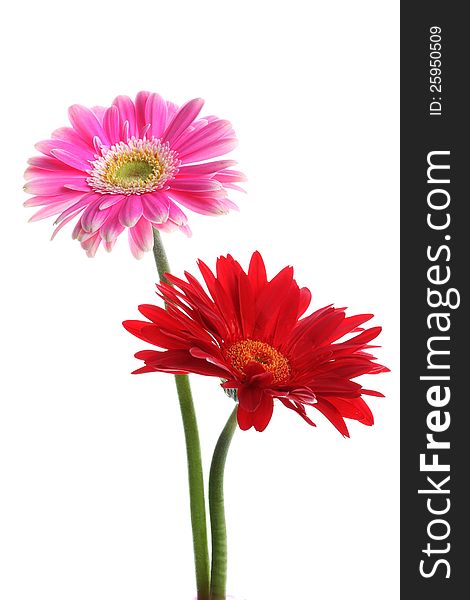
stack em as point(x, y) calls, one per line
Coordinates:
point(193, 454)
point(161, 259)
point(217, 511)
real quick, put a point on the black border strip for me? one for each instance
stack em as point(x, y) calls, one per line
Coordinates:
point(431, 253)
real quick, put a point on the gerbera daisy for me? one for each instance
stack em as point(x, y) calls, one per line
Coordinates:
point(130, 166)
point(250, 333)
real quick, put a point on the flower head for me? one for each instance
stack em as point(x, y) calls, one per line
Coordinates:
point(251, 333)
point(131, 166)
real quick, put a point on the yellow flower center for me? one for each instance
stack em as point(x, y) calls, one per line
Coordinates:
point(246, 351)
point(136, 167)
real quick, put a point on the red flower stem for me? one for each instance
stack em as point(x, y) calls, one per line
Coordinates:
point(193, 454)
point(217, 510)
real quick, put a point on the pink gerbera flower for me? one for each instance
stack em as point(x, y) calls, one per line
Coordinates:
point(131, 166)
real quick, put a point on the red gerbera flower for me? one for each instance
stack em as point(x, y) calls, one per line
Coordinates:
point(250, 332)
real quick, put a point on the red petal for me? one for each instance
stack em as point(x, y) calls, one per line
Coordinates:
point(353, 408)
point(263, 413)
point(145, 369)
point(298, 408)
point(257, 272)
point(371, 393)
point(244, 418)
point(181, 361)
point(135, 327)
point(333, 415)
point(304, 300)
point(250, 397)
point(247, 304)
point(288, 315)
point(349, 324)
point(268, 302)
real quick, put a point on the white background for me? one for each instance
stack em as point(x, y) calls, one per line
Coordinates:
point(94, 497)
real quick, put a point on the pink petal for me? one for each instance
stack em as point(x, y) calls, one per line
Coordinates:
point(43, 200)
point(140, 102)
point(177, 215)
point(46, 163)
point(98, 145)
point(108, 246)
point(99, 112)
point(77, 230)
point(207, 168)
point(92, 218)
point(112, 124)
point(72, 160)
point(141, 238)
point(232, 186)
point(156, 113)
point(218, 148)
point(64, 222)
point(155, 207)
point(195, 185)
point(203, 137)
point(143, 132)
point(230, 176)
point(73, 208)
point(125, 131)
point(91, 245)
point(60, 174)
point(192, 130)
point(172, 110)
point(229, 205)
point(86, 124)
point(111, 200)
point(205, 205)
point(111, 228)
point(78, 185)
point(53, 186)
point(131, 211)
point(46, 147)
point(49, 211)
point(126, 110)
point(68, 134)
point(171, 227)
point(183, 118)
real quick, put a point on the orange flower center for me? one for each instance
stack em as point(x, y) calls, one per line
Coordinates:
point(246, 351)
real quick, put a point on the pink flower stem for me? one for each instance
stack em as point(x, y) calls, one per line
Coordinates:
point(193, 454)
point(217, 509)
